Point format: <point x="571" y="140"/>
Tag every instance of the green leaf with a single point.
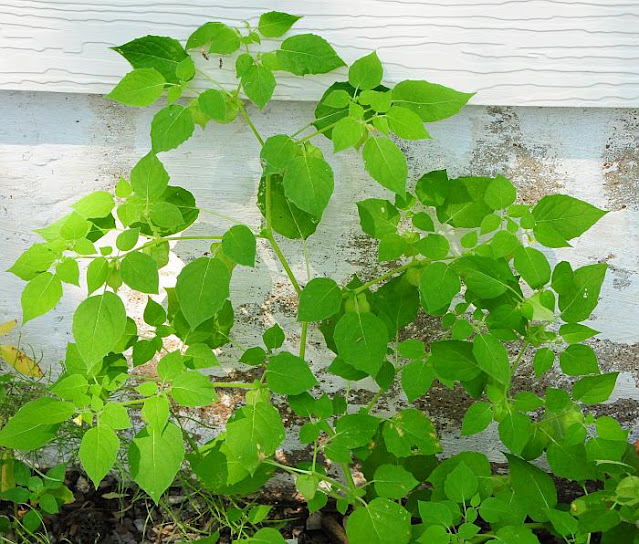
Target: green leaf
<point x="97" y="273"/>
<point x="274" y="337"/>
<point x="378" y="217"/>
<point x="461" y="484"/>
<point x="40" y="295"/>
<point x="127" y="239"/>
<point x="163" y="54"/>
<point x="97" y="204"/>
<point x="516" y="535"/>
<point x="379" y="101"/>
<point x="533" y="266"/>
<point x="562" y="521"/>
<point x="68" y="271"/>
<point x="410" y="432"/>
<point x="573" y="333"/>
<point x="580" y="297"/>
<point x="307" y="54"/>
<point x="258" y="83"/>
<point x="435" y="513"/>
<point x="287" y="374"/>
<point x="406" y="123"/>
<point x="254" y="432"/>
<point x="578" y="359"/>
<point x="75" y="227"/>
<point x="155" y="411"/>
<point x="346" y="133"/>
<point x="515" y="430"/>
<point x="559" y="218"/>
<point x="569" y="461"/>
<point x="35" y="424"/>
<point x="532" y="486"/>
<point x="149" y="179"/>
<point x="434" y="246"/>
<point x="430" y="101"/>
<point x="193" y="388"/>
<point x="492" y="357"/>
<point x="488" y="278"/>
<point x="253" y="356"/>
<point x="165" y="214"/>
<point x="155" y="457"/>
<point x="477" y="418"/>
<point x="361" y="340"/>
<point x="98" y="325"/>
<point x="393" y="481"/>
<point x="500" y="193"/>
<point x="321" y="298"/>
<point x="366" y="73"/>
<point x="140" y="87"/>
<point x="73" y="387"/>
<point x="595" y="389"/>
<point x="454" y="360"/>
<point x="438" y="286"/>
<point x="201" y="356"/>
<point x="238" y="243"/>
<point x="220" y="38"/>
<point x="35" y="260"/>
<point x="115" y="416"/>
<point x="266" y="536"/>
<point x="417" y="377"/>
<point x="274" y="24"/>
<point x="98" y="452"/>
<point x="140" y="272"/>
<point x="386" y="164"/>
<point x="277" y="152"/>
<point x="308" y="183"/>
<point x="382" y="521"/>
<point x="171" y="126"/>
<point x="202" y="287"/>
<point x="213" y="104"/>
<point x="154" y="313"/>
<point x="543" y="361"/>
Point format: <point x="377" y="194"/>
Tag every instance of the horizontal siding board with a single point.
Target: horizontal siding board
<point x="512" y="52"/>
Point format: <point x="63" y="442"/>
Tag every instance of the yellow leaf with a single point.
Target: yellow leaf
<point x="6" y="328"/>
<point x="21" y="362"/>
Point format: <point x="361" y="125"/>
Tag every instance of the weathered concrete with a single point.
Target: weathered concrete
<point x="55" y="148"/>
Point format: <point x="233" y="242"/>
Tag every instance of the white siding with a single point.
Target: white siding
<point x="512" y="52"/>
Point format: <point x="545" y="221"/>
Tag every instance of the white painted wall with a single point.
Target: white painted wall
<point x="512" y="52"/>
<point x="57" y="146"/>
<point x="54" y="148"/>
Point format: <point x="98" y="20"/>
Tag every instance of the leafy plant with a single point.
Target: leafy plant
<point x="461" y="249"/>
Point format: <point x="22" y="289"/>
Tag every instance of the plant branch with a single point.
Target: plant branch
<point x="250" y="124"/>
<point x="381" y="278"/>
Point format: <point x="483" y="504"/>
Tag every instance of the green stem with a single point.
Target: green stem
<point x="207" y="76"/>
<point x="519" y="357"/>
<point x="250" y="124"/>
<point x="234" y="385"/>
<point x="381" y="278"/>
<point x="282" y="259"/>
<point x="303" y="339"/>
<point x="132" y="402"/>
<point x="370" y="405"/>
<point x="334" y="483"/>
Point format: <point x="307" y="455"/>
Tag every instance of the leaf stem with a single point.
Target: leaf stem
<point x="519" y="357"/>
<point x="283" y="261"/>
<point x="381" y="278"/>
<point x="303" y="339"/>
<point x="234" y="385"/>
<point x="370" y="405"/>
<point x="250" y="124"/>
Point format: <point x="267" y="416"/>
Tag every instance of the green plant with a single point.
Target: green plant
<point x="461" y="249"/>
